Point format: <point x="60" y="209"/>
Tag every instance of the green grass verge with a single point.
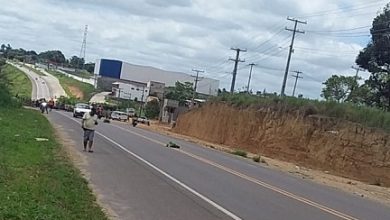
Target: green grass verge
<point x="82" y="73"/>
<point x="367" y="116"/>
<point x="19" y="83"/>
<point x="67" y="82"/>
<point x="37" y="181"/>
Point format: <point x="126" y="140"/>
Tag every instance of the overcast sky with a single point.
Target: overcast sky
<point x="180" y="35"/>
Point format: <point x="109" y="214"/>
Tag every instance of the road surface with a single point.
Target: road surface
<point x="137" y="177"/>
<point x="140" y="178"/>
<point x="40" y="88"/>
<point x="46" y="86"/>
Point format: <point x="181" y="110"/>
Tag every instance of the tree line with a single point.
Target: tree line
<point x="55" y="57"/>
<point x="374" y="58"/>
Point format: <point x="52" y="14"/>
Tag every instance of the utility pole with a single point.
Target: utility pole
<point x="250" y="76"/>
<point x="142" y="101"/>
<point x="296" y="80"/>
<point x="295" y="30"/>
<point x="196" y="83"/>
<point x="236" y="61"/>
<point x="358" y="69"/>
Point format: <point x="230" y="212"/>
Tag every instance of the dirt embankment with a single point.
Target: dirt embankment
<point x="343" y="148"/>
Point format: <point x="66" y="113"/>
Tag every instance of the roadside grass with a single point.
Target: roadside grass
<point x="67" y="82"/>
<point x="367" y="116"/>
<point x="256" y="159"/>
<point x="34" y="70"/>
<point x="37" y="181"/>
<point x="240" y="153"/>
<point x="81" y="73"/>
<point x="18" y="83"/>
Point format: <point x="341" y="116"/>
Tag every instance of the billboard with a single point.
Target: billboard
<point x="110" y="68"/>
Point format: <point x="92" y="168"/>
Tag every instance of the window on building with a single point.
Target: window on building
<point x="146" y="90"/>
<point x="137" y="89"/>
<point x="132" y="88"/>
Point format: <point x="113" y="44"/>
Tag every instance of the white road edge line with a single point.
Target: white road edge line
<point x="212" y="203"/>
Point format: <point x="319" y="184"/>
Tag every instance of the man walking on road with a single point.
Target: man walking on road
<point x="89" y="123"/>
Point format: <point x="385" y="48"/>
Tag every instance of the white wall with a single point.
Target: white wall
<point x="130" y="91"/>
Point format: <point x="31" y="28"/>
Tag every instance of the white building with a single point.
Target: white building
<point x="116" y="69"/>
<point x="132" y="91"/>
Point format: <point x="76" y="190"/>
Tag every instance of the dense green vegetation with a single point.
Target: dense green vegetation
<point x="367" y="116"/>
<point x="37" y="181"/>
<point x="54" y="57"/>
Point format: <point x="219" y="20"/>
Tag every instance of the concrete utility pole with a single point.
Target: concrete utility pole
<point x="196" y="83"/>
<point x="296" y="80"/>
<point x="296" y="21"/>
<point x="250" y="76"/>
<point x="236" y="61"/>
<point x="142" y="101"/>
<point x="358" y="69"/>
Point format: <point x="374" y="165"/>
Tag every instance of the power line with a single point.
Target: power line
<point x="344" y="9"/>
<point x="236" y="61"/>
<point x="295" y="30"/>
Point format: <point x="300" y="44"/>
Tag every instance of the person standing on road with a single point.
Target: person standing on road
<point x="44" y="107"/>
<point x="88" y="124"/>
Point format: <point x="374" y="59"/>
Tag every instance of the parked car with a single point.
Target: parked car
<point x="143" y="120"/>
<point x="120" y="116"/>
<point x="80" y="109"/>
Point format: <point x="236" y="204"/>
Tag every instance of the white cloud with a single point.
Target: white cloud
<point x="179" y="35"/>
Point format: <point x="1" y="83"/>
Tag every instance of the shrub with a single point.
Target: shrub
<point x="256" y="159"/>
<point x="240" y="153"/>
<point x="152" y="109"/>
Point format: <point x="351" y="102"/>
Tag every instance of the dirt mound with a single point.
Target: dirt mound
<point x="76" y="92"/>
<point x="343" y="148"/>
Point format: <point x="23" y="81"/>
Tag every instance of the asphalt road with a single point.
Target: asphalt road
<point x="139" y="178"/>
<point x="42" y="86"/>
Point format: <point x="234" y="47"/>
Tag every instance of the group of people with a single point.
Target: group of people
<point x="44" y="105"/>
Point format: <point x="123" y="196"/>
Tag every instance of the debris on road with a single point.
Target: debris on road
<point x="172" y="145"/>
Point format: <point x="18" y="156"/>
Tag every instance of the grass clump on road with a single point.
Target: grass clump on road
<point x="73" y="87"/>
<point x="36" y="179"/>
<point x="240" y="153"/>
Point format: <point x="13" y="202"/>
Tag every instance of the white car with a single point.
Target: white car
<point x="143" y="120"/>
<point x="120" y="116"/>
<point x="80" y="109"/>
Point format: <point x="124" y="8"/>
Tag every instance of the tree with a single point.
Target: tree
<point x="339" y="88"/>
<point x="375" y="58"/>
<point x="90" y="67"/>
<point x="53" y="56"/>
<point x="76" y="62"/>
<point x="152" y="109"/>
<point x="180" y="92"/>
